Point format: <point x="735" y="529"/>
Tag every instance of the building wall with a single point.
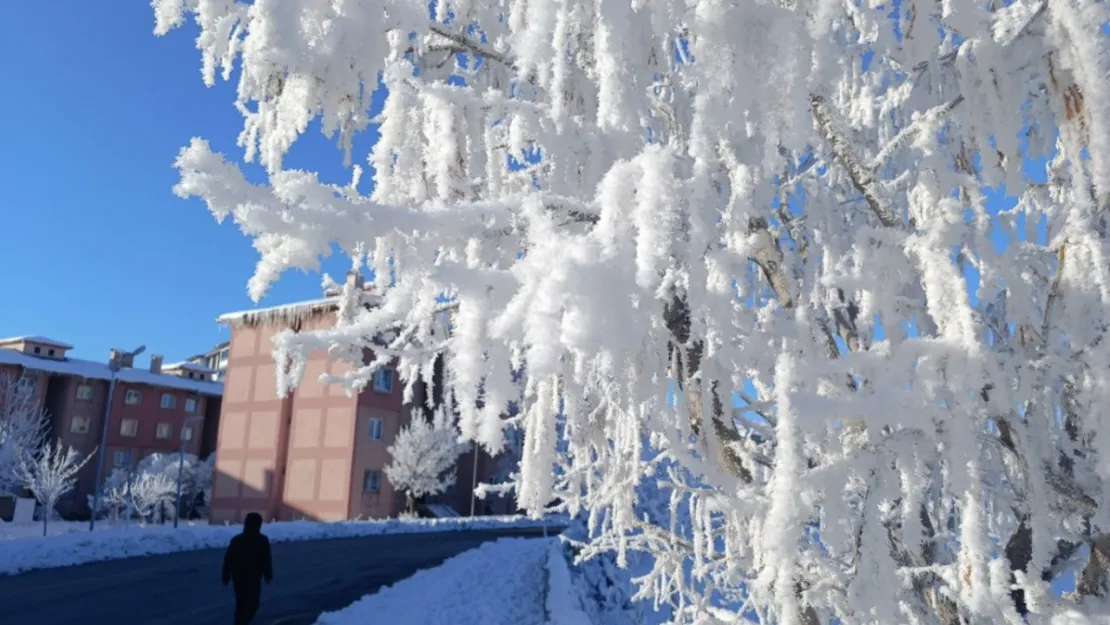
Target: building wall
<point x="248" y="438"/>
<point x="322" y="437"/>
<point x="64" y="407"/>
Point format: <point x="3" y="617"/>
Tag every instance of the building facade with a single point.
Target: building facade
<point x="154" y="409"/>
<point x="214" y="360"/>
<point x="317" y="453"/>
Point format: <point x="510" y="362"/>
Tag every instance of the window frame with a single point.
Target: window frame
<point x="133" y="392"/>
<point x="370" y="428"/>
<point x="123" y="430"/>
<point x="73" y="420"/>
<point x="163" y="426"/>
<point x="366" y="479"/>
<point x="172" y="403"/>
<point x="126" y="454"/>
<point x="184" y="429"/>
<point x="387" y="388"/>
<point x="194" y="402"/>
<point x="81" y="387"/>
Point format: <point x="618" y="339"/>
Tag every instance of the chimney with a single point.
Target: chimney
<point x="156" y="363"/>
<point x="354" y="279"/>
<point x="114" y="357"/>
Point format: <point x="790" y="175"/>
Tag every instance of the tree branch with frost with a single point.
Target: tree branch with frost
<point x="23" y="430"/>
<point x="50" y="474"/>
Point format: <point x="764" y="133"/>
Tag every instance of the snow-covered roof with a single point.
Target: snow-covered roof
<point x="187" y="366"/>
<point x="92" y="369"/>
<point x="287" y="313"/>
<point x="35" y="339"/>
<point x="279" y="314"/>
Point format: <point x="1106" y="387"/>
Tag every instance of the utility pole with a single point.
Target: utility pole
<point x="181" y="465"/>
<point x="474" y="481"/>
<point x="114" y="366"/>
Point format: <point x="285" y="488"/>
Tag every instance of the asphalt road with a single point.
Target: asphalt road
<point x="184" y="588"/>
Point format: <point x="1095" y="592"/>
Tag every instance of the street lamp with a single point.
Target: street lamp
<point x="181" y="465"/>
<point x="114" y="366"/>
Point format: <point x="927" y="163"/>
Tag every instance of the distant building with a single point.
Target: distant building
<point x="316" y="453"/>
<point x="149" y="407"/>
<point x="214" y="359"/>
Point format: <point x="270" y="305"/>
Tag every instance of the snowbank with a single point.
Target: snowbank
<point x="563" y="607"/>
<point x="27" y="553"/>
<point x="499" y="583"/>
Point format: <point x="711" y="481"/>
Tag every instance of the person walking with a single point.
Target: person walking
<point x="247" y="562"/>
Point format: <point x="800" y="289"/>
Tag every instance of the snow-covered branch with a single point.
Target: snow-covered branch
<point x="51" y="473"/>
<point x="611" y="219"/>
<point x="23" y="428"/>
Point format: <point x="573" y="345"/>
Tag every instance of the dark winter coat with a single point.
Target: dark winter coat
<point x="247" y="560"/>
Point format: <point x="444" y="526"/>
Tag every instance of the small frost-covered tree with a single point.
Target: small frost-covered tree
<point x="880" y="228"/>
<point x="196" y="476"/>
<point x="49" y="474"/>
<point x="114" y="496"/>
<point x="151" y="495"/>
<point x="423" y="455"/>
<point x="23" y="429"/>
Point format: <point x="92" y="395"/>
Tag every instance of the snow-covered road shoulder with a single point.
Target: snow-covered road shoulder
<point x="498" y="583"/>
<point x="18" y="555"/>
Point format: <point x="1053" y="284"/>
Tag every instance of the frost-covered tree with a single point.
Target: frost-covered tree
<point x="423" y="456"/>
<point x="657" y="209"/>
<point x="196" y="477"/>
<point x="49" y="474"/>
<point x="151" y="495"/>
<point x="23" y="429"/>
<point x="114" y="495"/>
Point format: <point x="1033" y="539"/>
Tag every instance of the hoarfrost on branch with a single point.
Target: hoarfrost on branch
<point x="633" y="214"/>
<point x="50" y="473"/>
<point x="23" y="430"/>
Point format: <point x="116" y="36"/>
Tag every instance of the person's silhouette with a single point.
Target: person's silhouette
<point x="246" y="563"/>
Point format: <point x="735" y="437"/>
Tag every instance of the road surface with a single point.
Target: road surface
<point x="184" y="588"/>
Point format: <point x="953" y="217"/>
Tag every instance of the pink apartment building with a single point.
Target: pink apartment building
<point x="149" y="409"/>
<point x="317" y="453"/>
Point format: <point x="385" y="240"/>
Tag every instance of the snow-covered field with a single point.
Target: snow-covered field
<point x="23" y="548"/>
<point x="499" y="583"/>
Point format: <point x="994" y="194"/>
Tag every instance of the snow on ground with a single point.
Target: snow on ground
<point x="498" y="583"/>
<point x="25" y="549"/>
<point x="562" y="600"/>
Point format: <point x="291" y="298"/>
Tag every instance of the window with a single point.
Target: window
<point x="84" y="392"/>
<point x="190" y="405"/>
<point x="50" y="352"/>
<point x="79" y="425"/>
<point x="187" y="433"/>
<point x="376" y="429"/>
<point x="164" y="431"/>
<point x="372" y="481"/>
<point x="129" y="427"/>
<point x="38" y="350"/>
<point x="25" y="386"/>
<point x="169" y="402"/>
<point x="133" y="397"/>
<point x="383" y="381"/>
<point x="121" y="459"/>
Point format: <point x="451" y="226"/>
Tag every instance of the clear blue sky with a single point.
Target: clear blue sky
<point x="96" y="250"/>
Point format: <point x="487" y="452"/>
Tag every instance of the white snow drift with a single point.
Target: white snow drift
<point x="18" y="555"/>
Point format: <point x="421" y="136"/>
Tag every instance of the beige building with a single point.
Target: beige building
<point x="316" y="454"/>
